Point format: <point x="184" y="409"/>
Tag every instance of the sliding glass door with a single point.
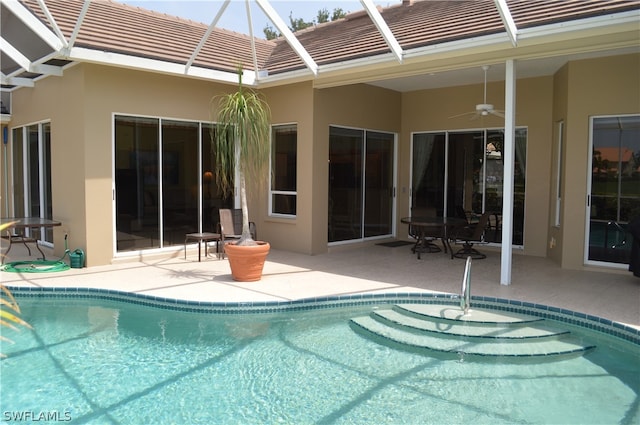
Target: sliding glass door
<point x="165" y="182"/>
<point x="614" y="197"/>
<point x="361" y="184"/>
<point x="460" y="174"/>
<point x="31" y="162"/>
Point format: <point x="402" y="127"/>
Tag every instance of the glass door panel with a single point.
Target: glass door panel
<point x="212" y="199"/>
<point x="47" y="203"/>
<point x="17" y="163"/>
<point x="137" y="173"/>
<point x="33" y="161"/>
<point x="180" y="181"/>
<point x="428" y="174"/>
<point x="494" y="176"/>
<point x="378" y="196"/>
<point x="465" y="182"/>
<point x="345" y="184"/>
<point x="615" y="187"/>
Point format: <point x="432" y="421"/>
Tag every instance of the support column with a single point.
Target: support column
<point x="508" y="157"/>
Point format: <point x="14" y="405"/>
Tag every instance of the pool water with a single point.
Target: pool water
<point x="111" y="362"/>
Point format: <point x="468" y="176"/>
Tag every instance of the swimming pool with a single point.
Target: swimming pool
<point x="109" y="357"/>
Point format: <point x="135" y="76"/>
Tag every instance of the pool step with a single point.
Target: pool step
<point x="481" y="333"/>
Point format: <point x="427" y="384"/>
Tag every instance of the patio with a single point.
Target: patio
<point x="364" y="268"/>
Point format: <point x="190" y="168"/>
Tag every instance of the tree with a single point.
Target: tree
<point x="241" y="138"/>
<point x="297" y="24"/>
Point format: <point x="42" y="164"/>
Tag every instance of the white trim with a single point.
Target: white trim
<point x="138" y="63"/>
<point x="76" y="28"/>
<point x="33" y="23"/>
<point x="288" y="35"/>
<point x="52" y="21"/>
<point x="587" y="24"/>
<point x="383" y="28"/>
<point x="20" y="59"/>
<point x="507" y="20"/>
<point x="25" y="63"/>
<point x="206" y="35"/>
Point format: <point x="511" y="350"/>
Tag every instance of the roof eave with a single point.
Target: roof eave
<point x="120" y="60"/>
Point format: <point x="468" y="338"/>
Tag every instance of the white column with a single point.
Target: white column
<point x="508" y="155"/>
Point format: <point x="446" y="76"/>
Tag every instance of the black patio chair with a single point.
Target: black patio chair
<point x="470" y="234"/>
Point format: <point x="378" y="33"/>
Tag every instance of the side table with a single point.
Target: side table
<point x="202" y="237"/>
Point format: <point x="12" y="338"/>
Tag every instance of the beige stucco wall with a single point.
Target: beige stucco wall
<point x="80" y="106"/>
<point x="605" y="86"/>
<point x="430" y="110"/>
<point x="356" y="106"/>
<point x="293" y="104"/>
<point x="60" y="101"/>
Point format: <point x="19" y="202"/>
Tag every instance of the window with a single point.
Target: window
<point x="558" y="183"/>
<point x="284" y="152"/>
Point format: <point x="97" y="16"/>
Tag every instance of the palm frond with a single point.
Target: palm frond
<point x="241" y="140"/>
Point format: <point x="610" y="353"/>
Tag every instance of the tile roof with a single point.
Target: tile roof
<point x="114" y="27"/>
<point x="119" y="28"/>
<point x="423" y="23"/>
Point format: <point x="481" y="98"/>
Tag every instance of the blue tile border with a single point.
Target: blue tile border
<point x="579" y="319"/>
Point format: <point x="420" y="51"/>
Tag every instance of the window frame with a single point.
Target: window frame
<point x="273" y="172"/>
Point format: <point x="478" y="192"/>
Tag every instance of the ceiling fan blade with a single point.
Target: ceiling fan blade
<point x="497" y="113"/>
<point x="462" y="115"/>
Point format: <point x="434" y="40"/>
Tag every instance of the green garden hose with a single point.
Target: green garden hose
<point x="39" y="266"/>
<point x="36" y="266"/>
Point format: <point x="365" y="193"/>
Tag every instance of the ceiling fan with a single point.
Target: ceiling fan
<point x="483" y="109"/>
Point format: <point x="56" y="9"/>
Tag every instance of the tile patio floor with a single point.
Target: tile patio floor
<point x="366" y="268"/>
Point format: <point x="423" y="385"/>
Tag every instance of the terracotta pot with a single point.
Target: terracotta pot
<point x="247" y="262"/>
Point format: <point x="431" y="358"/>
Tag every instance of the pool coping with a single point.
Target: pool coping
<point x="591" y="322"/>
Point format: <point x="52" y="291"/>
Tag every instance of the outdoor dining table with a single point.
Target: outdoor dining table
<point x="17" y="232"/>
<point x="427" y="229"/>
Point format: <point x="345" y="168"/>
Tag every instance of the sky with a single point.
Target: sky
<point x="235" y="16"/>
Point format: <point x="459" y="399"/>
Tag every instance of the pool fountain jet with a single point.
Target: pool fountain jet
<point x="465" y="295"/>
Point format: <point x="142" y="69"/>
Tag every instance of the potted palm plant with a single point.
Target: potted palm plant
<point x="241" y="139"/>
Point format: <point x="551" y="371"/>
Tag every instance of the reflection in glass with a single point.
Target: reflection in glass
<point x="137" y="190"/>
<point x="378" y="196"/>
<point x="473" y="177"/>
<point x="615" y="187"/>
<point x="345" y="184"/>
<point x="284" y="156"/>
<point x="361" y="170"/>
<point x="212" y="199"/>
<point x="180" y="181"/>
